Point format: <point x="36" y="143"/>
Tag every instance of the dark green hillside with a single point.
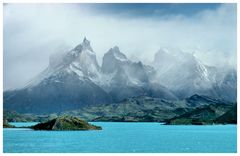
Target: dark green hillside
<point x="148" y="109"/>
<point x="13" y="116"/>
<point x="201" y="115"/>
<point x="196" y="109"/>
<point x="141" y="109"/>
<point x="230" y="117"/>
<point x="198" y="100"/>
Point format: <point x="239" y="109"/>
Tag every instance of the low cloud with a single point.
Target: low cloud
<point x="33" y="32"/>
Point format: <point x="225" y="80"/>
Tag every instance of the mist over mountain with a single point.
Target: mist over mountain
<point x="184" y="74"/>
<point x="74" y="80"/>
<point x="67" y="83"/>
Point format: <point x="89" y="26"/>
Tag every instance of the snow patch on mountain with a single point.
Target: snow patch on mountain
<point x="117" y="54"/>
<point x="76" y="70"/>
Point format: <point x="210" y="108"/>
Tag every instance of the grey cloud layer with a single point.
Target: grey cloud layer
<point x="33" y="32"/>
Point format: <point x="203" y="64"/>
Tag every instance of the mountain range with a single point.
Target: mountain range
<point x="74" y="80"/>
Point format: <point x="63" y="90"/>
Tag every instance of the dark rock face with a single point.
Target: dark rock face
<point x="65" y="123"/>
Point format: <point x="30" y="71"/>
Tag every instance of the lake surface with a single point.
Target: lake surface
<point x="123" y="138"/>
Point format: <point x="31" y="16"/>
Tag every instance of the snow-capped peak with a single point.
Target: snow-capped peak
<point x="116" y="49"/>
<point x="117" y="54"/>
<point x="113" y="59"/>
<point x="85" y="59"/>
<point x="84" y="46"/>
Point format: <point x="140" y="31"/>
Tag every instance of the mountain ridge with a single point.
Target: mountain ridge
<point x="75" y="80"/>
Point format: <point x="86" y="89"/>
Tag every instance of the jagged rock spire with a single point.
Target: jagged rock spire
<point x="85" y="45"/>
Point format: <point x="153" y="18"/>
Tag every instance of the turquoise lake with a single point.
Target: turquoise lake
<point x="120" y="137"/>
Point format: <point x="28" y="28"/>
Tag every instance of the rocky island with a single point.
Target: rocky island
<point x="7" y="125"/>
<point x="65" y="123"/>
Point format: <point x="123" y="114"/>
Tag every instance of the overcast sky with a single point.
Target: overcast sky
<point x="32" y="32"/>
